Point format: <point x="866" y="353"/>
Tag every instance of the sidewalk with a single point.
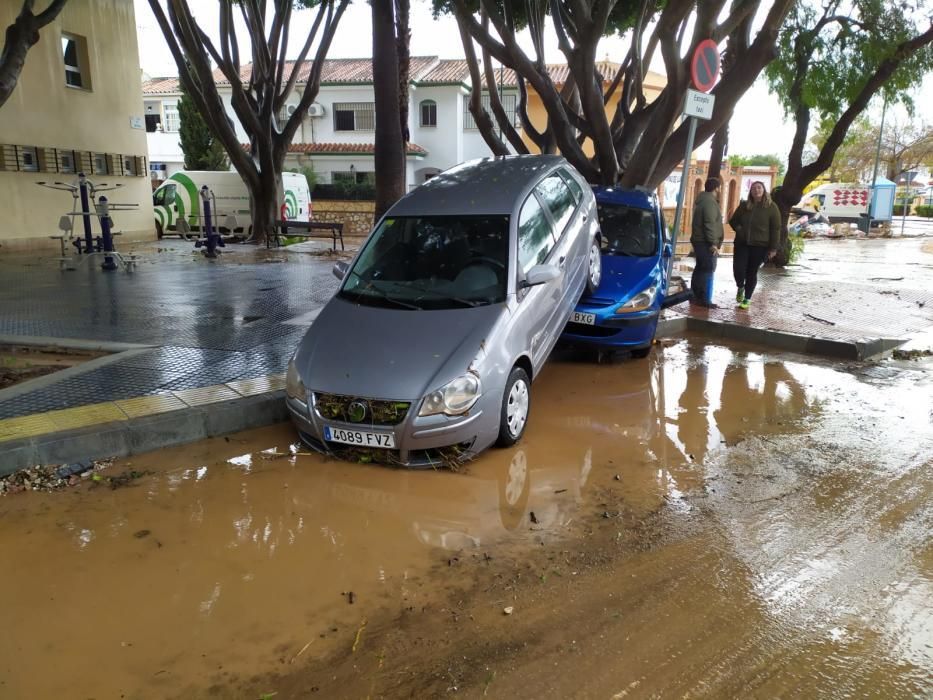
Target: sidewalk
<point x="850" y="299"/>
<point x="200" y="347"/>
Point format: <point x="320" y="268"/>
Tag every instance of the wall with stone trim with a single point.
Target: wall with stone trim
<point x="356" y="216"/>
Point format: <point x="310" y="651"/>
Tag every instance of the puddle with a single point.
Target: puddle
<point x="233" y="562"/>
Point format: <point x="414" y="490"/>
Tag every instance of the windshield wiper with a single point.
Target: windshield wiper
<point x="424" y="290"/>
<point x="379" y="294"/>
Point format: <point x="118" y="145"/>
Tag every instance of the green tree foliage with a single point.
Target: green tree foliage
<point x="202" y="151"/>
<point x="833" y="57"/>
<point x="760" y="159"/>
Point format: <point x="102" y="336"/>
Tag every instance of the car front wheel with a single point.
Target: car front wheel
<point x="594" y="267"/>
<point x="516" y="400"/>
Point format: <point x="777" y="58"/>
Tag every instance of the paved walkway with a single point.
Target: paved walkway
<point x="214" y="337"/>
<point x="842" y="290"/>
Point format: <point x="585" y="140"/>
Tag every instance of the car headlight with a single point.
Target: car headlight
<point x="641" y="301"/>
<point x="453" y="398"/>
<point x="294" y="387"/>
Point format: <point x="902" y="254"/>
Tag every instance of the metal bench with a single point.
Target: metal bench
<point x="307" y="229"/>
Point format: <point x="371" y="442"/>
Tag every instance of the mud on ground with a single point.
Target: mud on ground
<point x="712" y="522"/>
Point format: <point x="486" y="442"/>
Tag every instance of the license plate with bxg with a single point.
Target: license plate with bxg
<point x="362" y="438"/>
<point x="587" y="319"/>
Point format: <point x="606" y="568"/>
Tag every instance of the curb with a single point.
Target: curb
<point x="144" y="434"/>
<point x="781" y="340"/>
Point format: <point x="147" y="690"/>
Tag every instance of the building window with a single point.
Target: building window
<point x="353" y="177"/>
<point x="29" y="158"/>
<point x="172" y="121"/>
<point x="66" y="162"/>
<point x="129" y="166"/>
<point x="509" y="104"/>
<point x="428" y="113"/>
<point x="99" y="164"/>
<point x="354" y="116"/>
<point x="74" y="53"/>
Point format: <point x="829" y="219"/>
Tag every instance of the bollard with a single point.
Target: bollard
<point x="103" y="213"/>
<point x="85" y="214"/>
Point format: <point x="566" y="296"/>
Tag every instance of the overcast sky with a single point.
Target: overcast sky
<point x="757" y="126"/>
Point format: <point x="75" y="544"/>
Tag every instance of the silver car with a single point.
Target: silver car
<point x="426" y="354"/>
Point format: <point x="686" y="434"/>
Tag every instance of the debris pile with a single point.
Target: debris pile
<point x="53" y="477"/>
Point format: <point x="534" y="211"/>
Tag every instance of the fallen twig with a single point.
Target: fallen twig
<point x="821" y="320"/>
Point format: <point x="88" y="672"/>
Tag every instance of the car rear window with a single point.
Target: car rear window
<point x="628" y="230"/>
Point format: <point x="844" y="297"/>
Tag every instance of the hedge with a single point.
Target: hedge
<point x="925" y="210"/>
<point x="343" y="191"/>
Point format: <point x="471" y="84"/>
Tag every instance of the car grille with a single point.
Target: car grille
<point x="352" y="409"/>
<point x="582" y="329"/>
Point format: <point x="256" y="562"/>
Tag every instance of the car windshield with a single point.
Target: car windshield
<point x="627" y="230"/>
<point x="432" y="262"/>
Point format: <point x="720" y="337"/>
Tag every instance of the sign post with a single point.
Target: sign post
<point x="704" y="69"/>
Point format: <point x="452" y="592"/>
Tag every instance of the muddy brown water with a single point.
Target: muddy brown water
<point x="711" y="522"/>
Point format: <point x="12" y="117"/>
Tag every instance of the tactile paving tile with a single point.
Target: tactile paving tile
<point x="258" y="385"/>
<point x="206" y="395"/>
<point x="149" y="405"/>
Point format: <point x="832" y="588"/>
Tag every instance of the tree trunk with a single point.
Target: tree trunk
<point x="389" y="149"/>
<point x="20" y="37"/>
<point x="718" y="149"/>
<point x="402" y="46"/>
<point x="785" y="196"/>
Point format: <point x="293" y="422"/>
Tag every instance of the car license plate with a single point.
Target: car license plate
<point x="359" y="437"/>
<point x="588" y="319"/>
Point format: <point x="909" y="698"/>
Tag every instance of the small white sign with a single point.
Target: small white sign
<point x="137" y="123"/>
<point x="699" y="104"/>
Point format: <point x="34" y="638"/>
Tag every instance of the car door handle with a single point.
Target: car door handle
<point x="561" y="262"/>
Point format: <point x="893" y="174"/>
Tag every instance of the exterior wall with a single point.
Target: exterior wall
<point x="441" y="142"/>
<point x="43" y="112"/>
<point x="654" y="83"/>
<point x="356" y="217"/>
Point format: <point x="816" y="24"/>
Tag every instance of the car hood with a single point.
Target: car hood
<point x="624" y="276"/>
<point x="381" y="353"/>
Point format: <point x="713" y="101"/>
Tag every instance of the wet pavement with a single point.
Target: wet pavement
<point x="208" y="322"/>
<point x="712" y="521"/>
<point x="851" y="290"/>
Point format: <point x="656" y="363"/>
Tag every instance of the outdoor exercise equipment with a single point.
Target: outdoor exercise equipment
<point x="212" y="239"/>
<point x="83" y="191"/>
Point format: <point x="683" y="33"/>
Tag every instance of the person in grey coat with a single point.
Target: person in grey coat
<point x="706" y="238"/>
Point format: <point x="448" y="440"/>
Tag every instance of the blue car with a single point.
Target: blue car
<point x="623" y="312"/>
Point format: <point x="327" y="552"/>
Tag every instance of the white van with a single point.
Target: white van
<point x="838" y="201"/>
<point x="178" y="197"/>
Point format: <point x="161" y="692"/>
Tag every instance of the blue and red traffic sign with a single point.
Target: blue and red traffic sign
<point x="704" y="66"/>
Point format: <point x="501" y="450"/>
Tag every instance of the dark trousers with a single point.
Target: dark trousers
<point x="745" y="263"/>
<point x="702" y="281"/>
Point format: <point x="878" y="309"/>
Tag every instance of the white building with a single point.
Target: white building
<point x="336" y="135"/>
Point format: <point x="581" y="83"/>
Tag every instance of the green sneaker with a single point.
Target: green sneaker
<point x="745" y="303"/>
<point x="740" y="296"/>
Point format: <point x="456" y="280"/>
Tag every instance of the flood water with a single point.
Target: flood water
<point x="791" y="502"/>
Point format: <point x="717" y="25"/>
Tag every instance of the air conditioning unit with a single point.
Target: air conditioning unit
<point x="290" y="110"/>
<point x="316" y="110"/>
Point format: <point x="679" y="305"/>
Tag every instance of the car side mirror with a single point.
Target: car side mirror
<point x="541" y="274"/>
<point x="668" y="250"/>
<point x="340" y="269"/>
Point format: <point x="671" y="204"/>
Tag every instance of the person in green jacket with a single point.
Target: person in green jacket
<point x="757" y="225"/>
<point x="706" y="238"/>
